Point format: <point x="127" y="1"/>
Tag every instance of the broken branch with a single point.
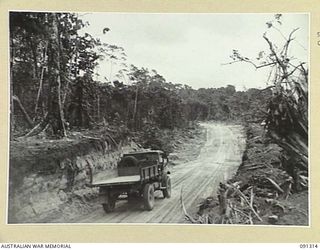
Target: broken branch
<point x="188" y="217"/>
<point x="246" y="200"/>
<point x="275" y="184"/>
<point x="24" y="112"/>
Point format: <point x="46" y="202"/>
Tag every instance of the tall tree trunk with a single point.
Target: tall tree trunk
<point x="39" y="92"/>
<point x="41" y="81"/>
<point x="11" y="86"/>
<point x="135" y="106"/>
<point x="55" y="109"/>
<point x="98" y="107"/>
<point x="34" y="55"/>
<point x="79" y="94"/>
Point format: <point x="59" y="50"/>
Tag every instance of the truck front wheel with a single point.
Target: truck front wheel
<point x="109" y="207"/>
<point x="110" y="203"/>
<point x="148" y="196"/>
<point x="167" y="192"/>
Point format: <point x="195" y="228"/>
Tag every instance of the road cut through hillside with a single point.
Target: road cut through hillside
<point x="195" y="180"/>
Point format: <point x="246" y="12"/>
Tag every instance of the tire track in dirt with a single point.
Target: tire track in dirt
<point x="217" y="161"/>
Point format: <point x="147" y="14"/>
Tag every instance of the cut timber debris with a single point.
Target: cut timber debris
<point x="250" y="204"/>
<point x="187" y="216"/>
<point x="275" y="185"/>
<point x="262" y="190"/>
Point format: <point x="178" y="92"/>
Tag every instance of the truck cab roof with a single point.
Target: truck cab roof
<point x="144" y="152"/>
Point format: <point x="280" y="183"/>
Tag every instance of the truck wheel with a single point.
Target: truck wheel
<point x="167" y="192"/>
<point x="109" y="207"/>
<point x="148" y="196"/>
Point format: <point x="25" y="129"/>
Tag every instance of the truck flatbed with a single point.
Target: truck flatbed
<point x="140" y="174"/>
<point x="120" y="180"/>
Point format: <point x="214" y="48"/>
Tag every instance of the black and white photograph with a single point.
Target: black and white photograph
<point x="149" y="118"/>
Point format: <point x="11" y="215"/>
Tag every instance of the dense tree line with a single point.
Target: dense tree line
<point x="53" y="88"/>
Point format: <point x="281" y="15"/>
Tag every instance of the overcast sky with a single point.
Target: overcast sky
<point x="191" y="48"/>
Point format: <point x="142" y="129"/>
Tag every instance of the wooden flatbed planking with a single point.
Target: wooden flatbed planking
<point x="120" y="180"/>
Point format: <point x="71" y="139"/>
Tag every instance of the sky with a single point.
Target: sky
<point x="192" y="48"/>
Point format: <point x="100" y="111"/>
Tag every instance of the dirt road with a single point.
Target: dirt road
<point x="198" y="179"/>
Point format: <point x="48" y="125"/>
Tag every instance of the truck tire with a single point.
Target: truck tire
<point x="109" y="207"/>
<point x="129" y="161"/>
<point x="148" y="196"/>
<point x="111" y="203"/>
<point x="167" y="192"/>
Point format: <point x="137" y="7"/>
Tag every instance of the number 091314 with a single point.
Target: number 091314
<point x="309" y="245"/>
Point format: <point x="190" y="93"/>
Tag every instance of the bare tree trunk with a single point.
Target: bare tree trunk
<point x="11" y="86"/>
<point x="98" y="107"/>
<point x="56" y="27"/>
<point x="39" y="127"/>
<point x="80" y="109"/>
<point x="23" y="110"/>
<point x="34" y="55"/>
<point x="135" y="106"/>
<point x="127" y="121"/>
<point x="41" y="81"/>
<point x="55" y="109"/>
<point x="39" y="92"/>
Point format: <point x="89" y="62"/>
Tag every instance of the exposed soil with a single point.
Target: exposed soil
<point x="192" y="181"/>
<point x="49" y="178"/>
<point x="261" y="192"/>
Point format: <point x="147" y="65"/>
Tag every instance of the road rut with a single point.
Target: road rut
<point x="218" y="161"/>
